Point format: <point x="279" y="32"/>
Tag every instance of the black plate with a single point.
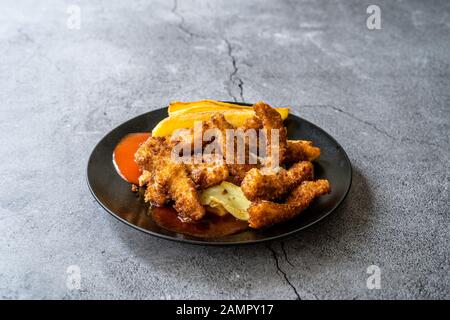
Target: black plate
<point x="115" y="196"/>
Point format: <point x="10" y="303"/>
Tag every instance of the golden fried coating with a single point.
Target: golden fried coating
<point x="168" y="178"/>
<point x="154" y="193"/>
<point x="252" y="123"/>
<point x="149" y="150"/>
<point x="271" y="120"/>
<point x="218" y="122"/>
<point x="259" y="185"/>
<point x="208" y="174"/>
<point x="186" y="137"/>
<point x="181" y="189"/>
<point x="301" y="150"/>
<point x="238" y="172"/>
<point x="265" y="213"/>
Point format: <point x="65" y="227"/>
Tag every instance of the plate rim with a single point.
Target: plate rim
<point x="218" y="243"/>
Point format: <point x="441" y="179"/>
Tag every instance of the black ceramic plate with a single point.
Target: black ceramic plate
<point x="115" y="196"/>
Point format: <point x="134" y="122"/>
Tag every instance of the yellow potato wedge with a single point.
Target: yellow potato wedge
<point x="216" y="208"/>
<point x="209" y="108"/>
<point x="186" y="120"/>
<point x="205" y="105"/>
<point x="212" y="105"/>
<point x="229" y="196"/>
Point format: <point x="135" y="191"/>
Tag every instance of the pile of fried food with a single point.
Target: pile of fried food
<point x="247" y="191"/>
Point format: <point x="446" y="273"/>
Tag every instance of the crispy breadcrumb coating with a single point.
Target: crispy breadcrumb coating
<point x="168" y="179"/>
<point x="266" y="213"/>
<point x="236" y="171"/>
<point x="268" y="186"/>
<point x="300" y="150"/>
<point x="208" y="174"/>
<point x="252" y="123"/>
<point x="271" y="119"/>
<point x="154" y="193"/>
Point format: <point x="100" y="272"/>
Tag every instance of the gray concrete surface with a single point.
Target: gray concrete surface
<point x="384" y="94"/>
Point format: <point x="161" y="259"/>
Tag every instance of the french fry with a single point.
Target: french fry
<point x="205" y="105"/>
<point x="229" y="196"/>
<point x="212" y="105"/>
<point x="181" y="120"/>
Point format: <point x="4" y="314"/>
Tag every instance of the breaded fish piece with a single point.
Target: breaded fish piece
<point x="265" y="118"/>
<point x="154" y="193"/>
<point x="258" y="185"/>
<point x="265" y="213"/>
<point x="252" y="123"/>
<point x="300" y="150"/>
<point x="208" y="173"/>
<point x="181" y="189"/>
<point x="271" y="120"/>
<point x="168" y="178"/>
<point x="236" y="171"/>
<point x="186" y="137"/>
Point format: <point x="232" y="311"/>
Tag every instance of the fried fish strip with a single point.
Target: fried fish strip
<point x="154" y="193"/>
<point x="265" y="213"/>
<point x="236" y="170"/>
<point x="252" y="123"/>
<point x="271" y="120"/>
<point x="258" y="185"/>
<point x="205" y="175"/>
<point x="208" y="174"/>
<point x="168" y="178"/>
<point x="299" y="150"/>
<point x="266" y="118"/>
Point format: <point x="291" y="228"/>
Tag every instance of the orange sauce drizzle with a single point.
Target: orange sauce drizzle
<point x="123" y="156"/>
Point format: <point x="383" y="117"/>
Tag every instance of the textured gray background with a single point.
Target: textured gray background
<point x="384" y="95"/>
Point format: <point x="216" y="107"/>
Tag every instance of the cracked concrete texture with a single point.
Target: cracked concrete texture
<point x="382" y="94"/>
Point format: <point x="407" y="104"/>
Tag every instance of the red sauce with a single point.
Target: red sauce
<point x="210" y="226"/>
<point x="123" y="156"/>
